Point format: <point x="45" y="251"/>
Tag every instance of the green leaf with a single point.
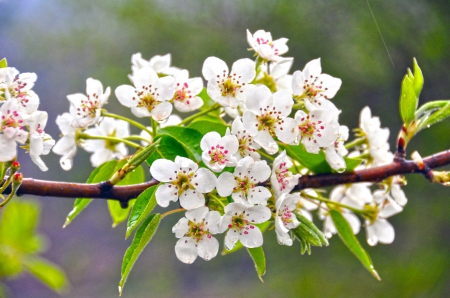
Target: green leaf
<point x="187" y="137"/>
<point x="169" y="148"/>
<point x="259" y="259"/>
<point x="409" y="97"/>
<point x="435" y="117"/>
<point x="142" y="237"/>
<point x="143" y="206"/>
<point x="119" y="214"/>
<point x="418" y="79"/>
<point x="317" y="163"/>
<point x="100" y="174"/>
<point x="346" y="234"/>
<point x="308" y="234"/>
<point x="205" y="126"/>
<point x="48" y="273"/>
<point x="262" y="226"/>
<point x="207" y="104"/>
<point x="3" y="63"/>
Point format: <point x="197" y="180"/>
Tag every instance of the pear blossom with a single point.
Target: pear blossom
<point x="11" y="129"/>
<point x="186" y="97"/>
<point x="379" y="229"/>
<point x="105" y="150"/>
<point x="195" y="232"/>
<point x="40" y="142"/>
<point x="376" y="137"/>
<point x="275" y="75"/>
<point x="316" y="130"/>
<point x="86" y="109"/>
<point x="228" y="88"/>
<point x="218" y="152"/>
<point x="240" y="222"/>
<point x="282" y="180"/>
<point x="268" y="49"/>
<point x="160" y="64"/>
<point x="149" y="97"/>
<point x="267" y="117"/>
<point x="242" y="184"/>
<point x="183" y="180"/>
<point x="336" y="152"/>
<point x="247" y="147"/>
<point x="314" y="85"/>
<point x="18" y="86"/>
<point x="66" y="146"/>
<point x="285" y="218"/>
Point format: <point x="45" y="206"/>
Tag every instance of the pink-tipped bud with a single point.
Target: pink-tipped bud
<point x="15" y="166"/>
<point x="17" y="178"/>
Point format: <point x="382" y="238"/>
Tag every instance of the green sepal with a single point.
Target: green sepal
<point x="142" y="207"/>
<point x="3" y="63"/>
<point x="117" y="212"/>
<point x="259" y="259"/>
<point x="308" y="234"/>
<point x="345" y="232"/>
<point x="48" y="273"/>
<point x="189" y="138"/>
<point x="142" y="237"/>
<point x="262" y="226"/>
<point x="99" y="174"/>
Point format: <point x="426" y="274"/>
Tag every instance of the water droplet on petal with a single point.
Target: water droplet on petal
<point x="163" y="120"/>
<point x="340" y="170"/>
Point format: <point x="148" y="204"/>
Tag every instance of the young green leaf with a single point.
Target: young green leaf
<point x="187" y="137"/>
<point x="205" y="126"/>
<point x="3" y="63"/>
<point x="346" y="234"/>
<point x="418" y="78"/>
<point x="169" y="148"/>
<point x="308" y="234"/>
<point x="143" y="206"/>
<point x="142" y="237"/>
<point x="409" y="97"/>
<point x="438" y="115"/>
<point x="48" y="273"/>
<point x="259" y="259"/>
<point x="100" y="174"/>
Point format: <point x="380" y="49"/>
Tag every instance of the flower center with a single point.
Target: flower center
<point x="308" y="127"/>
<point x="268" y="119"/>
<point x="243" y="185"/>
<point x="229" y="85"/>
<point x="88" y="108"/>
<point x="218" y="154"/>
<point x="182" y="94"/>
<point x="313" y="89"/>
<point x="147" y="97"/>
<point x="197" y="231"/>
<point x="182" y="182"/>
<point x="286" y="215"/>
<point x="240" y="223"/>
<point x="282" y="174"/>
<point x="11" y="119"/>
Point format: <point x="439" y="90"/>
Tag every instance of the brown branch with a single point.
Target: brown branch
<point x="104" y="190"/>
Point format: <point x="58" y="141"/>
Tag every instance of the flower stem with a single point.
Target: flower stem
<point x="269" y="157"/>
<point x="172" y="212"/>
<point x="112" y="139"/>
<point x="327" y="201"/>
<point x="355" y="142"/>
<point x="132" y="122"/>
<point x="154" y="125"/>
<point x="190" y="118"/>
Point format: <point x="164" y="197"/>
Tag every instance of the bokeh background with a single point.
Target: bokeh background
<point x="65" y="42"/>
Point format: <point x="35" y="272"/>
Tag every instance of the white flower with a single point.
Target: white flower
<point x="18" y="86"/>
<point x="218" y="151"/>
<point x="66" y="145"/>
<point x="151" y="95"/>
<point x="186" y="91"/>
<point x="242" y="184"/>
<point x="268" y="49"/>
<point x="282" y="180"/>
<point x="267" y="117"/>
<point x="160" y="64"/>
<point x="379" y="229"/>
<point x="40" y="142"/>
<point x="11" y="129"/>
<point x="313" y="85"/>
<point x="275" y="75"/>
<point x="240" y="222"/>
<point x="105" y="150"/>
<point x="335" y="153"/>
<point x="184" y="181"/>
<point x="316" y="130"/>
<point x="195" y="232"/>
<point x="376" y="137"/>
<point x="285" y="218"/>
<point x="85" y="109"/>
<point x="228" y="89"/>
<point x="247" y="147"/>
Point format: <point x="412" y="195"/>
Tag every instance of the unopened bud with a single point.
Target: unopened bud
<point x="15" y="166"/>
<point x="442" y="177"/>
<point x="17" y="178"/>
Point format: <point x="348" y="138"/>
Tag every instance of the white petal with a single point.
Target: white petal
<point x="166" y="193"/>
<point x="181" y="227"/>
<point x="125" y="94"/>
<point x="245" y="69"/>
<point x="185" y="250"/>
<point x="161" y="111"/>
<point x="163" y="170"/>
<point x="207" y="248"/>
<point x="225" y="184"/>
<point x="197" y="215"/>
<point x="204" y="180"/>
<point x="251" y="236"/>
<point x="191" y="199"/>
<point x="214" y="66"/>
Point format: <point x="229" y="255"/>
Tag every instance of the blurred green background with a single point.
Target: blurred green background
<point x="65" y="42"/>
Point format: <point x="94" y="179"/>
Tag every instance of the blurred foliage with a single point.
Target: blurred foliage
<point x="66" y="42"/>
<point x="20" y="246"/>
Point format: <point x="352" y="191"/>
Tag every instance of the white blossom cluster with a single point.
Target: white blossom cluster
<point x="21" y="121"/>
<point x="247" y="171"/>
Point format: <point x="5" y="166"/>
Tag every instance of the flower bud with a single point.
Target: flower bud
<point x="17" y="179"/>
<point x="15" y="166"/>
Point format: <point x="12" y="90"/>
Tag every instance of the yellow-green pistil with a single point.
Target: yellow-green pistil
<point x="269" y="119"/>
<point x="197" y="231"/>
<point x="243" y="185"/>
<point x="183" y="181"/>
<point x="147" y="98"/>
